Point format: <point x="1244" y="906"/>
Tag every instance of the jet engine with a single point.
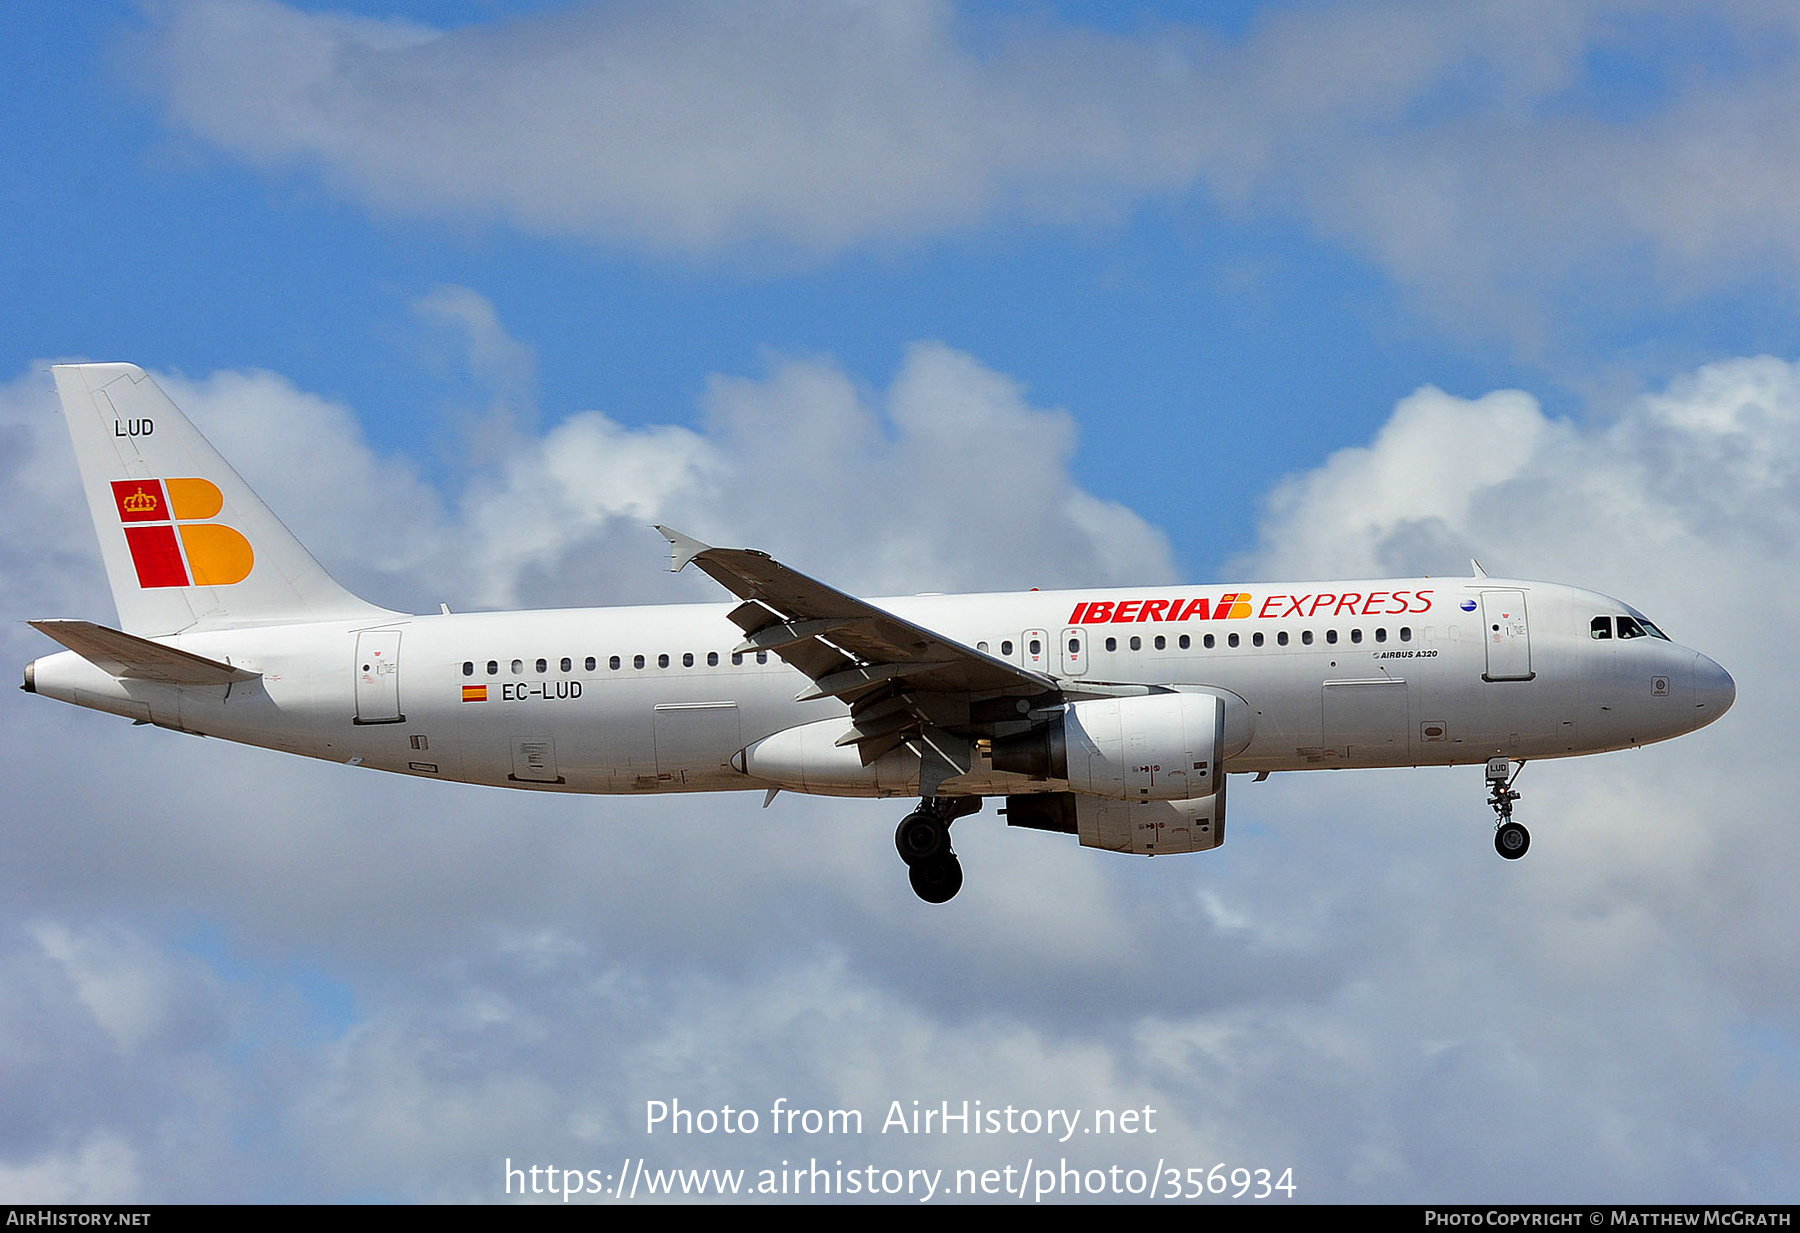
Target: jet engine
<point x="1151" y="747"/>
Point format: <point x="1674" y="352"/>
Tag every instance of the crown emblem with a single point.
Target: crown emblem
<point x="139" y="502"/>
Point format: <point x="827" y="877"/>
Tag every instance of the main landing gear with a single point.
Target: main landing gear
<point x="1511" y="839"/>
<point x="923" y="840"/>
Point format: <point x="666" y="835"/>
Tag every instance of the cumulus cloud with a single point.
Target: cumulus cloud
<point x="409" y="982"/>
<point x="1493" y="157"/>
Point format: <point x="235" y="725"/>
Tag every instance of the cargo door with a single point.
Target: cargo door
<point x="700" y="737"/>
<point x="1365" y="719"/>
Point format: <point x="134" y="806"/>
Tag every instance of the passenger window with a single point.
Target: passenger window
<point x="1331" y="637"/>
<point x="1210" y="642"/>
<point x="982" y="647"/>
<point x="1037" y="648"/>
<point x="687" y="659"/>
<point x="1161" y="642"/>
<point x="1601" y="628"/>
<point x="1381" y="635"/>
<point x="1281" y="638"/>
<point x="567" y="664"/>
<point x="637" y="661"/>
<point x="1137" y="643"/>
<point x="613" y="663"/>
<point x="590" y="662"/>
<point x="1356" y="635"/>
<point x="1406" y="633"/>
<point x="493" y="667"/>
<point x="468" y="667"/>
<point x="518" y="667"/>
<point x="1074" y="646"/>
<point x="762" y="657"/>
<point x="1006" y="647"/>
<point x="712" y="659"/>
<point x="662" y="661"/>
<point x="1306" y="636"/>
<point x="1256" y="639"/>
<point x="1232" y="640"/>
<point x="1112" y="644"/>
<point x="737" y="657"/>
<point x="1185" y="642"/>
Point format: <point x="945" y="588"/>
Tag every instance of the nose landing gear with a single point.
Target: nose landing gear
<point x="923" y="841"/>
<point x="1511" y="839"/>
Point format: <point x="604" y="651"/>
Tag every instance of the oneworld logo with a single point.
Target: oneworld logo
<point x="173" y="542"/>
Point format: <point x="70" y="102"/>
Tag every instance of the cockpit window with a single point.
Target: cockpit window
<point x="1629" y="628"/>
<point x="1643" y="624"/>
<point x="1601" y="628"/>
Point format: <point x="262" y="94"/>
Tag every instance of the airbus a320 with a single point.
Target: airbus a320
<point x="1113" y="714"/>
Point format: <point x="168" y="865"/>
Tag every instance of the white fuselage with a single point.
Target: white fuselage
<point x="651" y="699"/>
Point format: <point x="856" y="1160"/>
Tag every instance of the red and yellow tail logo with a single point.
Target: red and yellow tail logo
<point x="172" y="542"/>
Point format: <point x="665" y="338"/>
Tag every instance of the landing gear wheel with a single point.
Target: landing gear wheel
<point x="1512" y="840"/>
<point x="921" y="838"/>
<point x="937" y="880"/>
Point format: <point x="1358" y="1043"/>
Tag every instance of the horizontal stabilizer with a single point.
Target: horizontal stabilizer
<point x="130" y="657"/>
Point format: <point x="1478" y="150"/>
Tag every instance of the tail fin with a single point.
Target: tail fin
<point x="187" y="545"/>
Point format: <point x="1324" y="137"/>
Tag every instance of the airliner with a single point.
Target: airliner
<point x="1114" y="714"/>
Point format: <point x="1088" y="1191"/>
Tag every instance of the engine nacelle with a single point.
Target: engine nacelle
<point x="1151" y="747"/>
<point x="1146" y="828"/>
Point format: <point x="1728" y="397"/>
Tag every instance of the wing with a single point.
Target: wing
<point x="905" y="684"/>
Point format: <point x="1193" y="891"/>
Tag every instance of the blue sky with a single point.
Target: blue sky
<point x="1203" y="347"/>
<point x="922" y="297"/>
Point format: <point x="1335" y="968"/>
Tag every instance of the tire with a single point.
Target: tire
<point x="921" y="838"/>
<point x="937" y="881"/>
<point x="1512" y="841"/>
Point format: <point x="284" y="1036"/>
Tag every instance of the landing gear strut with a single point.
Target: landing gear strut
<point x="1511" y="839"/>
<point x="923" y="841"/>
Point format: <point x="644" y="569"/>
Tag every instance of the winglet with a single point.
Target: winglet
<point x="684" y="548"/>
<point x="1474" y="566"/>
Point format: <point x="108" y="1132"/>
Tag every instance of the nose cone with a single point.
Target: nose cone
<point x="1714" y="691"/>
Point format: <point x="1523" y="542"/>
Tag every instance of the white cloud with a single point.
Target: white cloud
<point x="1493" y="157"/>
<point x="819" y="124"/>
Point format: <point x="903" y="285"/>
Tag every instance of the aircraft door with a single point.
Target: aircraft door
<point x="1034" y="650"/>
<point x="1507" y="634"/>
<point x="695" y="737"/>
<point x="378" y="677"/>
<point x="1074" y="652"/>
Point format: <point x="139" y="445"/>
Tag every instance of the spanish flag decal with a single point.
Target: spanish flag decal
<point x="474" y="693"/>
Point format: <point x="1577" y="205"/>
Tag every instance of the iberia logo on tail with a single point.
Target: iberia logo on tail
<point x="173" y="543"/>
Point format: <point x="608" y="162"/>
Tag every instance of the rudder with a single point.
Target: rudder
<point x="187" y="544"/>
